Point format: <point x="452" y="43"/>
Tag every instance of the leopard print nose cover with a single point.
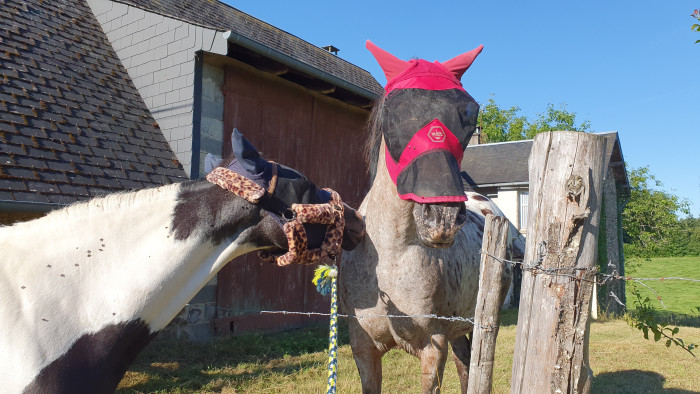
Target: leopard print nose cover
<point x="330" y="214"/>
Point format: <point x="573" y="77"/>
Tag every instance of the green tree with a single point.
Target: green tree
<point x="650" y="222"/>
<point x="685" y="241"/>
<point x="556" y="119"/>
<point x="696" y="27"/>
<point x="500" y="125"/>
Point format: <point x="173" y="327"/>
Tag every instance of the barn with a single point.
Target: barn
<point x="100" y="96"/>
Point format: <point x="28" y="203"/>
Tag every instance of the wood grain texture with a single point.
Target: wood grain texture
<point x="551" y="348"/>
<point x="494" y="278"/>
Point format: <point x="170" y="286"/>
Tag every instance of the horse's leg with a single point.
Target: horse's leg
<point x="368" y="359"/>
<point x="432" y="363"/>
<point x="461" y="354"/>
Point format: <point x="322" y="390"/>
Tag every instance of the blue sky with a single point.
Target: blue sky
<point x="630" y="67"/>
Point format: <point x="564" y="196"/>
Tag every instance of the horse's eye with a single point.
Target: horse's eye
<point x="289" y="215"/>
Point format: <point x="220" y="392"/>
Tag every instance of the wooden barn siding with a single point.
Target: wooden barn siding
<point x="321" y="137"/>
<point x="10" y="218"/>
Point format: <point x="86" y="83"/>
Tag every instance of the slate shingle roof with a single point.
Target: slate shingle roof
<point x="72" y="124"/>
<point x="216" y="15"/>
<point x="496" y="164"/>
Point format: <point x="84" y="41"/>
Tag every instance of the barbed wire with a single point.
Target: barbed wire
<point x="362" y="316"/>
<point x="589" y="275"/>
<point x="566" y="272"/>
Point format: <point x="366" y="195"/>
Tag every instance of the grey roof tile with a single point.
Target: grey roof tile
<point x="53" y="177"/>
<point x="129" y="184"/>
<point x="6" y="159"/>
<point x="496" y="164"/>
<point x="7" y="127"/>
<point x="73" y="190"/>
<point x="30" y="162"/>
<point x="42" y="187"/>
<point x="32" y="196"/>
<point x="64" y="96"/>
<point x="12" y="184"/>
<point x="18" y="172"/>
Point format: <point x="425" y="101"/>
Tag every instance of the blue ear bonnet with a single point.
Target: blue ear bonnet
<point x="291" y="188"/>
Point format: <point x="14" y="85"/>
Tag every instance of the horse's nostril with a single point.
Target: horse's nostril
<point x="429" y="211"/>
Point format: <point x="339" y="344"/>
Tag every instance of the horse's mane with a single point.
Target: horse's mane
<point x="108" y="203"/>
<point x="374" y="137"/>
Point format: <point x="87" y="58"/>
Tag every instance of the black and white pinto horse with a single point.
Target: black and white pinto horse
<point x="85" y="288"/>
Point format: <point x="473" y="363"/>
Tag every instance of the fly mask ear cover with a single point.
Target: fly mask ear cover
<point x="429" y="120"/>
<point x="330" y="213"/>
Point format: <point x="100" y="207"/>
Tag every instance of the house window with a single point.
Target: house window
<point x="523" y="209"/>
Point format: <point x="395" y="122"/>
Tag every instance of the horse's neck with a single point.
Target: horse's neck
<point x="118" y="263"/>
<point x="386" y="214"/>
<point x="110" y="272"/>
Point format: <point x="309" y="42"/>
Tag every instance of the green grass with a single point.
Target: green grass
<point x="681" y="298"/>
<point x="295" y="362"/>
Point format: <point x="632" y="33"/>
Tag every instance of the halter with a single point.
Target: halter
<point x="329" y="213"/>
<point x="425" y="165"/>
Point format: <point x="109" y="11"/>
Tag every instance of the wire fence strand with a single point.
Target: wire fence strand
<point x="589" y="275"/>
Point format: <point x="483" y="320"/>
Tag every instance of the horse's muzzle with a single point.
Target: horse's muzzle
<point x="438" y="224"/>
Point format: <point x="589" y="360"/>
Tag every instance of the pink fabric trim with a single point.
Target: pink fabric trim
<point x="433" y="136"/>
<point x="422" y="74"/>
<point x="429" y="200"/>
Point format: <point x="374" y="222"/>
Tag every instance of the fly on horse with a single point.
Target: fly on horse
<point x="421" y="253"/>
<point x="84" y="289"/>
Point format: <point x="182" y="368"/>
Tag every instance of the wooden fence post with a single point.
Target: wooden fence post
<point x="487" y="318"/>
<point x="613" y="290"/>
<point x="551" y="344"/>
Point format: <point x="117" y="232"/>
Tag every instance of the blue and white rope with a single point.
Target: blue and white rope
<point x="333" y="346"/>
<point x="325" y="281"/>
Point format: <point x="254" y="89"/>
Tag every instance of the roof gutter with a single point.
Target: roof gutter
<point x="507" y="184"/>
<point x="28" y="206"/>
<point x="276" y="55"/>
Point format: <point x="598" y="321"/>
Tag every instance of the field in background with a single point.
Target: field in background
<point x="681" y="298"/>
<point x="621" y="359"/>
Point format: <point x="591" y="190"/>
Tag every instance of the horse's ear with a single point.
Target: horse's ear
<point x="459" y="64"/>
<point x="390" y="64"/>
<point x="247" y="155"/>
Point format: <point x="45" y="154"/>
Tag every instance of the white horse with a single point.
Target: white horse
<point x="85" y="288"/>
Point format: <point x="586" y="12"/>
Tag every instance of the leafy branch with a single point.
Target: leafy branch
<point x="645" y="318"/>
<point x="696" y="27"/>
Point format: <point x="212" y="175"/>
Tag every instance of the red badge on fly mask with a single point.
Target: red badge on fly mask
<point x="440" y="141"/>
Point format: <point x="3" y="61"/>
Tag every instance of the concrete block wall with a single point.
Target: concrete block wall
<point x="159" y="54"/>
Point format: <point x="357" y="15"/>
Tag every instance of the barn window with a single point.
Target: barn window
<point x="523" y="195"/>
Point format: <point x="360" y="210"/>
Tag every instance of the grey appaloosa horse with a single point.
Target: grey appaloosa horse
<point x="421" y="253"/>
<point x="84" y="289"/>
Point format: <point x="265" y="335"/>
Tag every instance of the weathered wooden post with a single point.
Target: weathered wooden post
<point x="551" y="344"/>
<point x="494" y="280"/>
<point x="614" y="290"/>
